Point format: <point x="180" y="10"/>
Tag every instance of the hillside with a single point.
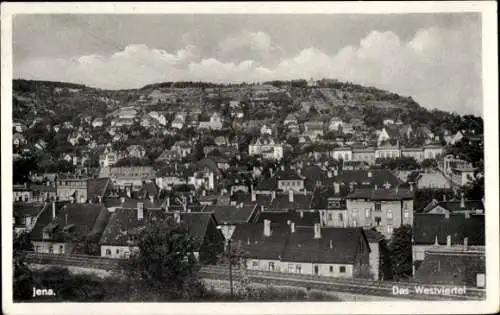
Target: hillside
<point x="66" y="101"/>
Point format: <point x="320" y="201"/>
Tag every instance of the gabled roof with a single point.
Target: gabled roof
<point x="456" y="205"/>
<point x="251" y="238"/>
<point x="307" y="218"/>
<point x="124" y="222"/>
<point x="427" y="226"/>
<point x="86" y="221"/>
<point x="373" y="177"/>
<point x="282" y="202"/>
<point x="201" y="165"/>
<point x="390" y="194"/>
<point x="97" y="187"/>
<point x="288" y="175"/>
<point x="197" y="224"/>
<point x="374" y="236"/>
<point x="267" y="185"/>
<point x="131" y="203"/>
<point x="227" y="214"/>
<point x="303" y="247"/>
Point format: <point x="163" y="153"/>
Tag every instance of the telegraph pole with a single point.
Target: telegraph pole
<point x="227" y="231"/>
<point x="230" y="266"/>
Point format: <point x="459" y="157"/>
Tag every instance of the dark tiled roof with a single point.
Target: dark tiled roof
<point x="282" y="202"/>
<point x="303" y="247"/>
<point x="288" y="175"/>
<point x="371" y="177"/>
<point x="427" y="226"/>
<point x="251" y="238"/>
<point x="124" y="222"/>
<point x="232" y="214"/>
<point x="308" y="218"/>
<point x="374" y="236"/>
<point x="21" y="209"/>
<point x="97" y="187"/>
<point x="197" y="224"/>
<point x="381" y="194"/>
<point x="454" y="206"/>
<point x="267" y="185"/>
<point x="132" y="203"/>
<point x="201" y="165"/>
<point x="88" y="220"/>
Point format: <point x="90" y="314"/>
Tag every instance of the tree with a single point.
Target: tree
<point x="401" y="252"/>
<point x="23" y="278"/>
<point x="164" y="265"/>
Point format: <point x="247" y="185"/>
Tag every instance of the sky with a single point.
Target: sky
<point x="435" y="58"/>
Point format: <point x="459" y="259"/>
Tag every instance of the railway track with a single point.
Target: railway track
<point x="220" y="272"/>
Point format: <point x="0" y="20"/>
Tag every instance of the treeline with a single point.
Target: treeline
<point x="32" y="85"/>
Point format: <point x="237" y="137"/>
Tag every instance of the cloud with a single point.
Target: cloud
<point x="440" y="68"/>
<point x="246" y="45"/>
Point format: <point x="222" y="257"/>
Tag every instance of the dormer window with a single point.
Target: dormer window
<point x="46" y="235"/>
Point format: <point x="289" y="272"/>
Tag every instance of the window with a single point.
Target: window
<point x="405" y="205"/>
<point x="378" y="206"/>
<point x="378" y="220"/>
<point x="108" y="252"/>
<point x="389" y="214"/>
<point x="389" y="229"/>
<point x="354" y="213"/>
<point x="341" y="217"/>
<point x="342" y="269"/>
<point x="61" y="249"/>
<point x="290" y="268"/>
<point x="117" y="251"/>
<point x="330" y="217"/>
<point x="331" y="268"/>
<point x="354" y="223"/>
<point x="367" y="212"/>
<point x="46" y="235"/>
<point x="406" y="214"/>
<point x="270" y="266"/>
<point x="37" y="249"/>
<point x="298" y="268"/>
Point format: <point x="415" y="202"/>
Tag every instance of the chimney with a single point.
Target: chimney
<point x="66" y="219"/>
<point x="254" y="196"/>
<point x="282" y="167"/>
<point x="288" y="222"/>
<point x="369" y="174"/>
<point x="466" y="243"/>
<point x="122" y="199"/>
<point x="129" y="193"/>
<point x="290" y="196"/>
<point x="267" y="228"/>
<point x="203" y="192"/>
<point x="331" y="244"/>
<point x="462" y="201"/>
<point x="376" y="186"/>
<point x="151" y="198"/>
<point x="397" y="189"/>
<point x="467" y="214"/>
<point x="447" y="215"/>
<point x="336" y="188"/>
<point x="292" y="227"/>
<point x="140" y="211"/>
<point x="317" y="231"/>
<point x="99" y="198"/>
<point x="329" y="174"/>
<point x="335" y="172"/>
<point x="168" y="202"/>
<point x="53" y="209"/>
<point x="301" y="214"/>
<point x="436" y="243"/>
<point x="448" y="241"/>
<point x="177" y="217"/>
<point x="444" y="197"/>
<point x="411" y="186"/>
<point x="273" y="195"/>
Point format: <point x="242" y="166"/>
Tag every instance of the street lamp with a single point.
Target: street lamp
<point x="227" y="230"/>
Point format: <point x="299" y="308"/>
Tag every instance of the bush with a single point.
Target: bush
<point x="363" y="271"/>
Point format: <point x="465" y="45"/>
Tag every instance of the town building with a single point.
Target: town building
<point x="63" y="230"/>
<point x="380" y="208"/>
<point x="266" y="146"/>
